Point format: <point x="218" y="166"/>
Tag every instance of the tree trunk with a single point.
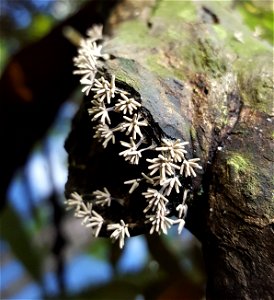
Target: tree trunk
<point x="202" y="77"/>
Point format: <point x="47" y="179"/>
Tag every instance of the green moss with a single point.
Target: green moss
<point x="239" y="163"/>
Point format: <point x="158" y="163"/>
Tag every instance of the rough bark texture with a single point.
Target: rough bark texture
<point x="200" y="82"/>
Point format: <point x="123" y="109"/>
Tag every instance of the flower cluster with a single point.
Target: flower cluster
<point x="166" y="165"/>
<point x="167" y="169"/>
<point x="90" y="53"/>
<point x="85" y="211"/>
<point x="94" y="220"/>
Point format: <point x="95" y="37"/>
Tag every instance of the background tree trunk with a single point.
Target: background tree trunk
<point x="204" y="77"/>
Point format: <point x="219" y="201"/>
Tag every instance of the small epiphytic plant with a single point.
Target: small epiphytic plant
<point x="166" y="166"/>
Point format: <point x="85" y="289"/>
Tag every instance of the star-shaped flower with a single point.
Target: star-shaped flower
<point x="74" y="201"/>
<point x="99" y="111"/>
<point x="131" y="153"/>
<point x="174" y="149"/>
<point x="88" y="47"/>
<point x="102" y="197"/>
<point x="156" y="200"/>
<point x="133" y="125"/>
<point x="95" y="32"/>
<point x="164" y="165"/>
<point x="104" y="89"/>
<point x="104" y="134"/>
<point x="160" y="223"/>
<point x="170" y="183"/>
<point x="95" y="222"/>
<point x="82" y="209"/>
<point x="86" y="67"/>
<point x="127" y="105"/>
<point x="188" y="166"/>
<point x="88" y="83"/>
<point x="119" y="233"/>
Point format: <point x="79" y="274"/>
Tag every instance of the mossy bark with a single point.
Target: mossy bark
<point x="205" y="78"/>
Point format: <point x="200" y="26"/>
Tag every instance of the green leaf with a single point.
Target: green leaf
<point x="20" y="241"/>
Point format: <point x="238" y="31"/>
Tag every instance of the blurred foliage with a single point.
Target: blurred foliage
<point x="25" y="21"/>
<point x="259" y="16"/>
<point x="20" y="240"/>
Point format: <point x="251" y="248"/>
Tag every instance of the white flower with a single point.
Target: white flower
<point x="127" y="105"/>
<point x="74" y="201"/>
<point x="164" y="165"/>
<point x="174" y="149"/>
<point x="95" y="32"/>
<point x="134" y="184"/>
<point x="187" y="167"/>
<point x="90" y="48"/>
<point x="86" y="67"/>
<point x="88" y="84"/>
<point x="133" y="126"/>
<point x="120" y="231"/>
<point x="131" y="153"/>
<point x="104" y="134"/>
<point x="100" y="112"/>
<point x="160" y="223"/>
<point x="102" y="197"/>
<point x="170" y="183"/>
<point x="82" y="210"/>
<point x="104" y="89"/>
<point x="95" y="222"/>
<point x="151" y="180"/>
<point x="156" y="200"/>
<point x="181" y="223"/>
<point x="86" y="61"/>
<point x="182" y="208"/>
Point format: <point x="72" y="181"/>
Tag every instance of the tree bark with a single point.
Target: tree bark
<point x="202" y="77"/>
